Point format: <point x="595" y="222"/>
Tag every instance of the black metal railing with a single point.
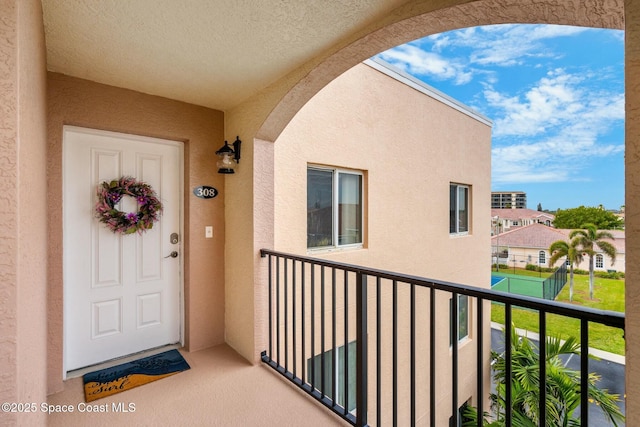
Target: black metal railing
<point x="376" y="347"/>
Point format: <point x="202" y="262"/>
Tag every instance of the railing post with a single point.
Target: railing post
<point x="480" y="360"/>
<point x="361" y="349"/>
<point x="584" y="372"/>
<point x="454" y="332"/>
<point x="542" y="360"/>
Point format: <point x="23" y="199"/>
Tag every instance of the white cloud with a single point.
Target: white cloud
<point x="417" y="61"/>
<point x="551" y="129"/>
<point x="561" y="158"/>
<point x="559" y="100"/>
<point x="503" y="45"/>
<point x="558" y="124"/>
<point x="440" y="41"/>
<point x="539" y="32"/>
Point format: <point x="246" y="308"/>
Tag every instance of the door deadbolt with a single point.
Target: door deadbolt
<point x="174" y="238"/>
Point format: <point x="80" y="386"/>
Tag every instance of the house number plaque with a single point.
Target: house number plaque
<point x="205" y="192"/>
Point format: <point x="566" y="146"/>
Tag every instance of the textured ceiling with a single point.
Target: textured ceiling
<point x="214" y="53"/>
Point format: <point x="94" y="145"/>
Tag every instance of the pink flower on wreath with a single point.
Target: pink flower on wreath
<point x="115" y="198"/>
<point x="132" y="217"/>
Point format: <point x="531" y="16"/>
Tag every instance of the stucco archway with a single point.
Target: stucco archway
<point x="249" y="209"/>
<point x="424" y="18"/>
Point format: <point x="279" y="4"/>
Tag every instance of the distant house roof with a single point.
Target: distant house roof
<point x="517" y="214"/>
<point x="539" y="236"/>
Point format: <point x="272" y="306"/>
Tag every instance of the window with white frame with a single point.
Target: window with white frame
<point x="542" y="258"/>
<point x="334" y="207"/>
<point x="463" y="318"/>
<point x="599" y="261"/>
<point x="458" y="209"/>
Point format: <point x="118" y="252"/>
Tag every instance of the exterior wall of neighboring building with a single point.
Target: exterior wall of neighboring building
<point x="88" y="104"/>
<point x="400" y="138"/>
<point x="523" y="256"/>
<point x="524" y="246"/>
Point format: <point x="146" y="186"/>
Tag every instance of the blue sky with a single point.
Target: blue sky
<point x="556" y="98"/>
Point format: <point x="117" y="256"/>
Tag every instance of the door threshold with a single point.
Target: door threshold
<point x="120" y="360"/>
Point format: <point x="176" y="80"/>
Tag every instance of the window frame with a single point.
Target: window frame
<point x="335" y="208"/>
<point x="344" y="355"/>
<point x="455" y="222"/>
<point x="542" y="258"/>
<point x="467" y="324"/>
<point x="599" y="261"/>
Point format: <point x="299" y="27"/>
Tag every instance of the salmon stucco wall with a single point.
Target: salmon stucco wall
<point x="410" y="146"/>
<point x="83" y="103"/>
<point x="23" y="187"/>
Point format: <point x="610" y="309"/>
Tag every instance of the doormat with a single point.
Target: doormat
<point x="106" y="382"/>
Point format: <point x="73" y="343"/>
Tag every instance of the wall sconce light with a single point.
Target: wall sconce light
<point x="227" y="156"/>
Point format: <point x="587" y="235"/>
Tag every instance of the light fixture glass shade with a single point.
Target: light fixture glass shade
<point x="225" y="163"/>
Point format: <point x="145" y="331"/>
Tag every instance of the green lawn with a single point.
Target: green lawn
<point x="608" y="295"/>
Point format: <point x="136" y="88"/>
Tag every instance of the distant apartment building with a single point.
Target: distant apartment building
<point x="508" y="200"/>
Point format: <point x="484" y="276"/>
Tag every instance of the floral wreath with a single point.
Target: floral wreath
<point x="110" y="193"/>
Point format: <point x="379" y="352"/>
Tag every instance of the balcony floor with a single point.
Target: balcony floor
<point x="220" y="389"/>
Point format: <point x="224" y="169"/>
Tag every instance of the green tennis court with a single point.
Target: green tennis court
<point x="520" y="285"/>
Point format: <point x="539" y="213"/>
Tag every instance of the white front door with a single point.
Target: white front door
<point x="122" y="294"/>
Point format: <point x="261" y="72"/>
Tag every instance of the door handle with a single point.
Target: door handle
<point x="173" y="254"/>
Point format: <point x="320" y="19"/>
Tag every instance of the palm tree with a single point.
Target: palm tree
<point x="587" y="239"/>
<point x="561" y="249"/>
<point x="562" y="392"/>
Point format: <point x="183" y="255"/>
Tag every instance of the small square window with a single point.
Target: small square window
<point x="599" y="261"/>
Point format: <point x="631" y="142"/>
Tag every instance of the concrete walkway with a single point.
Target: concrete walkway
<point x="221" y="389"/>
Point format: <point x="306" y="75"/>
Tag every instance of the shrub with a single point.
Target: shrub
<point x="501" y="266"/>
<point x="532" y="267"/>
<point x="609" y="274"/>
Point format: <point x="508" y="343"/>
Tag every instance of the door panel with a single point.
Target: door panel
<point x="121" y="295"/>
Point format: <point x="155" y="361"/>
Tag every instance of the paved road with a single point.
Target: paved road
<point x="612" y="377"/>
